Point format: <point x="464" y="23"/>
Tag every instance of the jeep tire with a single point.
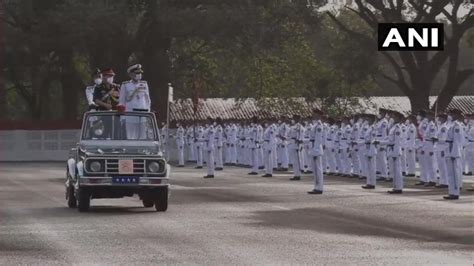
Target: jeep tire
<point x="161" y="199"/>
<point x="148" y="203"/>
<point x="71" y="198"/>
<point x="83" y="200"/>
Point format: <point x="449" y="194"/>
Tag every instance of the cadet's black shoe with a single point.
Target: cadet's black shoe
<point x="209" y="176"/>
<point x="395" y="191"/>
<point x="315" y="192"/>
<point x="441" y="186"/>
<point x="354" y="176"/>
<point x="284" y="169"/>
<point x="267" y="175"/>
<point x="261" y="167"/>
<point x="368" y="186"/>
<point x="295" y="178"/>
<point x="308" y="172"/>
<point x="219" y="169"/>
<point x="420" y="183"/>
<point x="380" y="179"/>
<point x="404" y="174"/>
<point x="468" y="173"/>
<point x="430" y="184"/>
<point x="410" y="175"/>
<point x="451" y="197"/>
<point x="180" y="165"/>
<point x="198" y="167"/>
<point x="389" y="180"/>
<point x="253" y="173"/>
<point x="377" y="173"/>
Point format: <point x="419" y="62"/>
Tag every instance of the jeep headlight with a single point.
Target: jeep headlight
<point x="95" y="166"/>
<point x="153" y="167"/>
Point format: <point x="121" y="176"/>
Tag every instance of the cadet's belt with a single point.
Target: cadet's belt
<point x="379" y="135"/>
<point x="343" y="139"/>
<point x="449" y="141"/>
<point x="266" y="140"/>
<point x="329" y="139"/>
<point x="391" y="145"/>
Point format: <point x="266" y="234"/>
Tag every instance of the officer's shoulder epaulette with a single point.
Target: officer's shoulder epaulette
<point x="126" y="82"/>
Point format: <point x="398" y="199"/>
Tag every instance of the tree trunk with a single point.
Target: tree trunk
<point x="71" y="85"/>
<point x="3" y="93"/>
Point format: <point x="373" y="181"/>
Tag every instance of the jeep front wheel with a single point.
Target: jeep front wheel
<point x="83" y="200"/>
<point x="148" y="203"/>
<point x="71" y="199"/>
<point x="161" y="200"/>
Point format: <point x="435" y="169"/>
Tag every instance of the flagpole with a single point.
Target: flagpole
<point x="170" y="99"/>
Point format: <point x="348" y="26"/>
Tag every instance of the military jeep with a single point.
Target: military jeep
<point x="118" y="155"/>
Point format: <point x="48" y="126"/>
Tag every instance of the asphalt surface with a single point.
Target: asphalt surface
<point x="232" y="219"/>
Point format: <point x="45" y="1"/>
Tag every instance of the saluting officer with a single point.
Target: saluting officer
<point x="97" y="76"/>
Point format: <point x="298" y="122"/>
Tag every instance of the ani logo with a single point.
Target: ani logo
<point x="410" y="37"/>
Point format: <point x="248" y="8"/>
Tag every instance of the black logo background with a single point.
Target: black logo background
<point x="384" y="29"/>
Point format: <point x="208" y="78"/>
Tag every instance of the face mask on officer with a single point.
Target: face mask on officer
<point x="97" y="81"/>
<point x="137" y="77"/>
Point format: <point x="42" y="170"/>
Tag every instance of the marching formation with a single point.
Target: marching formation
<point x="384" y="148"/>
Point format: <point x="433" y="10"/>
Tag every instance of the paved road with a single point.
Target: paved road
<point x="233" y="219"/>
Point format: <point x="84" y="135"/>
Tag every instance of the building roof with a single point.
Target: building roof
<point x="230" y="108"/>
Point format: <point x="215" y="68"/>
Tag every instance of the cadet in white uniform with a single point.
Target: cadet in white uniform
<point x="190" y="143"/>
<point x="296" y="141"/>
<point x="209" y="148"/>
<point x="442" y="150"/>
<point x="219" y="137"/>
<point x="469" y="149"/>
<point x="394" y="152"/>
<point x="180" y="137"/>
<point x="371" y="152"/>
<point x="198" y="143"/>
<point x="97" y="76"/>
<point x="283" y="145"/>
<point x="134" y="94"/>
<point x="455" y="141"/>
<point x="317" y="139"/>
<point x="410" y="145"/>
<point x="428" y="147"/>
<point x="382" y="130"/>
<point x="268" y="149"/>
<point x="254" y="143"/>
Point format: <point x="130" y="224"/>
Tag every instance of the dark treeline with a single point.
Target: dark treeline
<point x="205" y="48"/>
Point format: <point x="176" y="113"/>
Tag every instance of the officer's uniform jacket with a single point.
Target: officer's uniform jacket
<point x="253" y="137"/>
<point x="199" y="136"/>
<point x="429" y="134"/>
<point x="190" y="135"/>
<point x="90" y="94"/>
<point x="180" y="136"/>
<point x="219" y="136"/>
<point x="209" y="138"/>
<point x="135" y="95"/>
<point x="283" y="130"/>
<point x="442" y="136"/>
<point x="317" y="136"/>
<point x="269" y="138"/>
<point x="370" y="137"/>
<point x="382" y="131"/>
<point x="422" y="127"/>
<point x="455" y="139"/>
<point x="259" y="140"/>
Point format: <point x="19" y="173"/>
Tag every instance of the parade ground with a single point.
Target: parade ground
<point x="233" y="219"/>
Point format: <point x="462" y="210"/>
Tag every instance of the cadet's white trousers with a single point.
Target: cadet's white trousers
<point x="180" y="153"/>
<point x="317" y="168"/>
<point x="219" y="159"/>
<point x="284" y="157"/>
<point x="255" y="161"/>
<point x="296" y="160"/>
<point x="192" y="152"/>
<point x="371" y="170"/>
<point x="428" y="173"/>
<point x="411" y="161"/>
<point x="199" y="154"/>
<point x="396" y="172"/>
<point x="268" y="157"/>
<point x="233" y="153"/>
<point x="331" y="160"/>
<point x="382" y="162"/>
<point x="454" y="167"/>
<point x="355" y="161"/>
<point x="442" y="167"/>
<point x="210" y="162"/>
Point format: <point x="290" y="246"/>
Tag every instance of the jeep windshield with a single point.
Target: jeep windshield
<point x="118" y="126"/>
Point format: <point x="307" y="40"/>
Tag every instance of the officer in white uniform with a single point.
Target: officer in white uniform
<point x="209" y="148"/>
<point x="442" y="150"/>
<point x="198" y="143"/>
<point x="296" y="141"/>
<point x="219" y="137"/>
<point x="180" y="137"/>
<point x="469" y="148"/>
<point x="268" y="148"/>
<point x="253" y="135"/>
<point x="427" y="151"/>
<point x="382" y="131"/>
<point x="371" y="142"/>
<point x="394" y="152"/>
<point x="190" y="143"/>
<point x="134" y="94"/>
<point x="317" y="138"/>
<point x="283" y="145"/>
<point x="455" y="139"/>
<point x="97" y="76"/>
<point x="410" y="145"/>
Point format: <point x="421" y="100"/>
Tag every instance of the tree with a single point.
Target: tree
<point x="415" y="72"/>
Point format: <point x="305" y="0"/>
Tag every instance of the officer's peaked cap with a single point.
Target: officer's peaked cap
<point x="137" y="68"/>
